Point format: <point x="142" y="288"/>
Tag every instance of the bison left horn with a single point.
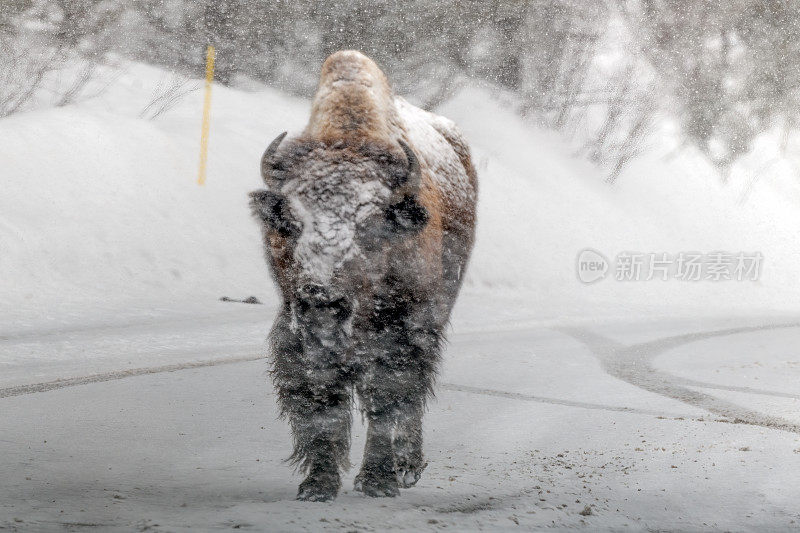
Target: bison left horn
<point x="413" y="176"/>
<point x="268" y="153"/>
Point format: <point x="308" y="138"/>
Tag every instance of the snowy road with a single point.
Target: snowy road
<point x="131" y="399"/>
<point x="669" y="425"/>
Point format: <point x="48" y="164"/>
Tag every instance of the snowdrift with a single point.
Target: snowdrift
<point x="100" y="211"/>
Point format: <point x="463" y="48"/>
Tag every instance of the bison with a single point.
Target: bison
<point x="368" y="220"/>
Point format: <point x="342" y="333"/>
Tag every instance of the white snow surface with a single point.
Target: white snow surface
<point x="583" y="416"/>
<point x="133" y="399"/>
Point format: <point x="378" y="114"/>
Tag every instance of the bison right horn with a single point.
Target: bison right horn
<point x="271" y="149"/>
<point x="414" y="175"/>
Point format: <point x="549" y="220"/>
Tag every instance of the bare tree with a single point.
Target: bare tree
<point x="171" y="89"/>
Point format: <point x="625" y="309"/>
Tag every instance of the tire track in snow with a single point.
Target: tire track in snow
<point x="134" y="325"/>
<point x="451" y="387"/>
<point x="47" y="386"/>
<point x="629" y="363"/>
<point x="634" y="364"/>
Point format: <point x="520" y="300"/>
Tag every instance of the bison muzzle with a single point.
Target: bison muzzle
<point x="368" y="219"/>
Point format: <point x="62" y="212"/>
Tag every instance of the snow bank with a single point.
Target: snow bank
<point x="101" y="210"/>
<point x="540" y="205"/>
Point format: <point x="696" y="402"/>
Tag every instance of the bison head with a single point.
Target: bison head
<point x="331" y="213"/>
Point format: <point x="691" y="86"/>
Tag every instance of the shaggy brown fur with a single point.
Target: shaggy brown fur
<point x="368" y="220"/>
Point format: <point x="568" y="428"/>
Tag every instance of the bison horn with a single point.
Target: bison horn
<point x="271" y="149"/>
<point x="414" y="174"/>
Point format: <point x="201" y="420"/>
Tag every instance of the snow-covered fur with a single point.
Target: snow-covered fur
<point x="368" y="220"/>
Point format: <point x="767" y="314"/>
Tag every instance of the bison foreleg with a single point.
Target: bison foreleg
<point x="377" y="477"/>
<point x="393" y="392"/>
<point x="315" y="396"/>
<point x="409" y="461"/>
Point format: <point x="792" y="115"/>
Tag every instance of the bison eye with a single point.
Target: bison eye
<point x="398" y="220"/>
<point x="273" y="210"/>
<point x="407" y="216"/>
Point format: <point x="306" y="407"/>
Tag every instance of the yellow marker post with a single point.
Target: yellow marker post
<point x="210" y="54"/>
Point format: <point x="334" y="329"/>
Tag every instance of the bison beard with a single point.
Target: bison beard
<point x="367" y="239"/>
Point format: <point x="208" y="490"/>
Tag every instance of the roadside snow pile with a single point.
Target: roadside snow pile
<point x="540" y="205"/>
<point x="100" y="209"/>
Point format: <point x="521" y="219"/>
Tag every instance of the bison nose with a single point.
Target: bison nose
<point x="319" y="298"/>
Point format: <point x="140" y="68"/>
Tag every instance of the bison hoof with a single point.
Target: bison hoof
<point x="408" y="475"/>
<point x="377" y="486"/>
<point x="316" y="490"/>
